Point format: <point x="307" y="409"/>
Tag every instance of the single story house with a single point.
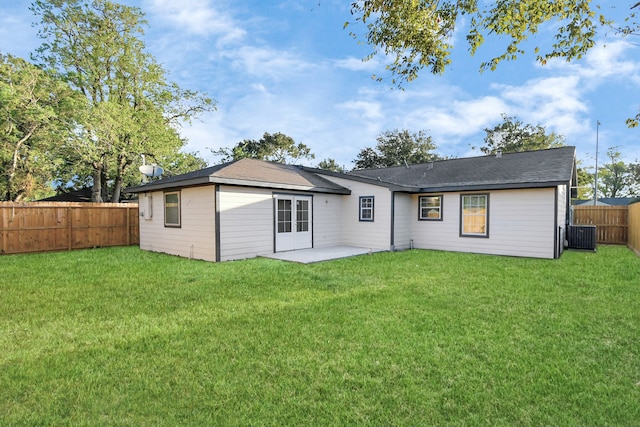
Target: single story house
<point x="513" y="204"/>
<point x="607" y="201"/>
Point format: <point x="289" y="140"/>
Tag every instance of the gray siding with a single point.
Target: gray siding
<point x="404" y="215"/>
<point x="521" y="223"/>
<point x="375" y="235"/>
<point x="196" y="236"/>
<point x="246" y="222"/>
<point x="327" y="220"/>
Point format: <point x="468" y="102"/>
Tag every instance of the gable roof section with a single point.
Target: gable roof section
<point x="248" y="172"/>
<point x="529" y="169"/>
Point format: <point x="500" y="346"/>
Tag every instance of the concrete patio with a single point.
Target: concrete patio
<point x="308" y="256"/>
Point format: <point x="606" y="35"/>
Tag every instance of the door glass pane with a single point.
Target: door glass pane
<point x="284" y="216"/>
<point x="302" y="215"/>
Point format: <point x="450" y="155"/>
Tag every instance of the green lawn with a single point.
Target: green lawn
<point x="118" y="336"/>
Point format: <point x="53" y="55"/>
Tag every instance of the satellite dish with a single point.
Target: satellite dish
<point x="151" y="170"/>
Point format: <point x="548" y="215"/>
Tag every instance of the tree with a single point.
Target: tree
<point x="614" y="178"/>
<point x="396" y="148"/>
<point x="36" y="109"/>
<point x="330" y="165"/>
<point x="512" y="136"/>
<point x="585" y="183"/>
<point x="417" y="33"/>
<point x="634" y="172"/>
<point x="276" y="147"/>
<point x="132" y="108"/>
<point x="631" y="27"/>
<point x="179" y="163"/>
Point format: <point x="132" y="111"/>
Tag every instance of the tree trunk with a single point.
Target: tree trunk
<point x="96" y="189"/>
<point x="11" y="194"/>
<point x="123" y="164"/>
<point x="104" y="185"/>
<point x="117" y="187"/>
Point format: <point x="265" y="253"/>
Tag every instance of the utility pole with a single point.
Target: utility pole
<point x="595" y="181"/>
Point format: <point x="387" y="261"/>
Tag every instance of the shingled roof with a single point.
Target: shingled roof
<point x="527" y="169"/>
<point x="248" y="172"/>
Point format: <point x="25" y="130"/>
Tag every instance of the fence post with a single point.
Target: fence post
<point x="128" y="212"/>
<point x="69" y="229"/>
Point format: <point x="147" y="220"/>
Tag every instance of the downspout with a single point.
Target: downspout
<point x="217" y="219"/>
<point x="556" y="233"/>
<point x="393" y="220"/>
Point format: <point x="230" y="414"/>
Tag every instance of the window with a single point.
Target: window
<point x="172" y="209"/>
<point x="430" y="208"/>
<point x="474" y="215"/>
<point x="366" y="208"/>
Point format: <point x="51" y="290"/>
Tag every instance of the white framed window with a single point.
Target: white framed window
<point x="366" y="208"/>
<point x="172" y="209"/>
<point x="474" y="215"/>
<point x="430" y="208"/>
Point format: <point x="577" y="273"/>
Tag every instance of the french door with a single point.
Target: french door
<point x="293" y="222"/>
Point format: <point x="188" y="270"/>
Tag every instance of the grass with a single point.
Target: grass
<point x="118" y="336"/>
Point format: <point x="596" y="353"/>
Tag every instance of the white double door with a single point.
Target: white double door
<point x="293" y="222"/>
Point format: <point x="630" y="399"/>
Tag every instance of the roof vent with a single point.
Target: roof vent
<point x="499" y="154"/>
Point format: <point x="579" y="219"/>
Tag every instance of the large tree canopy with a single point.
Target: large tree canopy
<point x="330" y="165"/>
<point x="276" y="147"/>
<point x="394" y="148"/>
<point x="512" y="136"/>
<point x="616" y="178"/>
<point x="97" y="48"/>
<point x="36" y="111"/>
<point x="417" y="33"/>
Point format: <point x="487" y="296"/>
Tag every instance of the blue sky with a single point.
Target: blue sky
<point x="289" y="66"/>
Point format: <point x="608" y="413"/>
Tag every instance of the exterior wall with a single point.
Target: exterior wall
<point x="195" y="238"/>
<point x="246" y="222"/>
<point x="327" y="223"/>
<point x="404" y="215"/>
<point x="376" y="234"/>
<point x="521" y="223"/>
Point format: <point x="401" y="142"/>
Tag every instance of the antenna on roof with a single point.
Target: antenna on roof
<point x="405" y="163"/>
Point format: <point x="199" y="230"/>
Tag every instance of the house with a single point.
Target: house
<point x="513" y="204"/>
<point x="82" y="195"/>
<point x="606" y="201"/>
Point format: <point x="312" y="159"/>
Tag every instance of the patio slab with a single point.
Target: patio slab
<point x="308" y="256"/>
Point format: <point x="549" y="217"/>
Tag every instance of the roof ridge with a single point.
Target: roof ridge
<point x="463" y="158"/>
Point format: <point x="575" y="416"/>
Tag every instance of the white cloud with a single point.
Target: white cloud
<point x="357" y="64"/>
<point x="363" y="110"/>
<point x="199" y="17"/>
<point x="266" y="62"/>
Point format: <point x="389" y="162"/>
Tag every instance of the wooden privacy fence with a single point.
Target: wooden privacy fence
<point x="57" y="226"/>
<point x="612" y="222"/>
<point x="634" y="227"/>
